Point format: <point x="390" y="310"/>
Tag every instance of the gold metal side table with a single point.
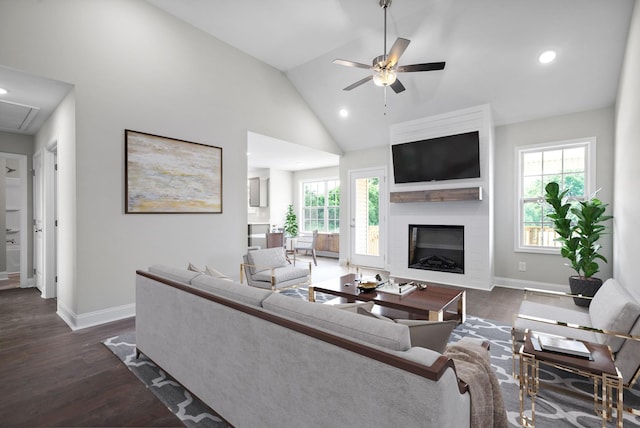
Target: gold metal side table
<point x="607" y="381"/>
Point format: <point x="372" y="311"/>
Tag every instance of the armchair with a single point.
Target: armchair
<point x="268" y="268"/>
<point x="307" y="244"/>
<point x="612" y="318"/>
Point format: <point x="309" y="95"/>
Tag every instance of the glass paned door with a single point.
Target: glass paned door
<point x="367" y="218"/>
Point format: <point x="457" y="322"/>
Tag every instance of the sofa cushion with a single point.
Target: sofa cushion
<point x="261" y="260"/>
<point x="173" y="273"/>
<point x="231" y="290"/>
<point x="613" y="309"/>
<point x="385" y="334"/>
<point x="281" y="274"/>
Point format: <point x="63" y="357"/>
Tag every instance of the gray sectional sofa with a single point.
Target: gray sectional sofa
<point x="260" y="358"/>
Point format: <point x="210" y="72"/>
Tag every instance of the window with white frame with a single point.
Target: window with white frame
<point x="569" y="163"/>
<point x="321" y="209"/>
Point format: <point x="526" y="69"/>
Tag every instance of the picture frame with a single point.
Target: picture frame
<point x="170" y="176"/>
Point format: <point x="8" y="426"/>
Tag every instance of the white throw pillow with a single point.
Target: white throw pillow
<point x="193" y="268"/>
<point x="354" y="307"/>
<point x="215" y="273"/>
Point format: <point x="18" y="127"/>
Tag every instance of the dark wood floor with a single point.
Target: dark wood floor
<point x="51" y="376"/>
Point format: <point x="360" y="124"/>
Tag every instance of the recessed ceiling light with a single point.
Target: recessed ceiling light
<point x="546" y="57"/>
<point x="344" y="112"/>
<point x="3" y="91"/>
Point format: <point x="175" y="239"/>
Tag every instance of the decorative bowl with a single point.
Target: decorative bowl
<point x="368" y="286"/>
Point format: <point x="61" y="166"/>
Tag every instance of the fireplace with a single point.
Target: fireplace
<point x="436" y="247"/>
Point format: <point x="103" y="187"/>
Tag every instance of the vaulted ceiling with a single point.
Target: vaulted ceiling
<point x="490" y="48"/>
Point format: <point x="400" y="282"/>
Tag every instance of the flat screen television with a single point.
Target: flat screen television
<point x="443" y="158"/>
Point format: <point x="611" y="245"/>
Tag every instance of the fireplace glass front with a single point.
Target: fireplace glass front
<point x="436" y="247"/>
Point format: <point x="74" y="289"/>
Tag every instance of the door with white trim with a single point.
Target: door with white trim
<point x="368" y="217"/>
<point x="38" y="222"/>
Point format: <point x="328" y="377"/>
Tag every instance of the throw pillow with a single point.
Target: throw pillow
<point x="429" y="334"/>
<point x="215" y="273"/>
<point x="368" y="313"/>
<point x="193" y="268"/>
<point x="432" y="335"/>
<point x="354" y="307"/>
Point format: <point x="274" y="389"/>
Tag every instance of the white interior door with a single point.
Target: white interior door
<point x="38" y="222"/>
<point x="368" y="217"/>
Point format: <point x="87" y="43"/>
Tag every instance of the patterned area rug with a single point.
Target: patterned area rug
<point x="553" y="409"/>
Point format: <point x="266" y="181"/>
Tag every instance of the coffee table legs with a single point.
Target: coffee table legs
<point x="603" y="384"/>
<point x="312" y="294"/>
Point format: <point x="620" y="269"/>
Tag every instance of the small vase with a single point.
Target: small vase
<point x="586" y="287"/>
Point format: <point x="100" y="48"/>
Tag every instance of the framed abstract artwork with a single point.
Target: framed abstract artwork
<point x="169" y="176"/>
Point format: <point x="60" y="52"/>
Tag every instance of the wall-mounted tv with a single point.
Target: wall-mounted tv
<point x="443" y="158"/>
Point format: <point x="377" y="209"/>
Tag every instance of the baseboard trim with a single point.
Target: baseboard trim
<point x="91" y="319"/>
<point x="520" y="284"/>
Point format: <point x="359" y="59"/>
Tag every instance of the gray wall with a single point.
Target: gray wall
<point x="548" y="269"/>
<point x="627" y="163"/>
<point x="136" y="67"/>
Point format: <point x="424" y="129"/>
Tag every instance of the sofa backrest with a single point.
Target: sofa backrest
<point x="173" y="273"/>
<point x="231" y="290"/>
<point x="376" y="332"/>
<point x="613" y="309"/>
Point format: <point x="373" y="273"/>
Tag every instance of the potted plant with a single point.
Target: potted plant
<point x="579" y="229"/>
<point x="291" y="223"/>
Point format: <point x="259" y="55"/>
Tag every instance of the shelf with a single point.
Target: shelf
<point x="438" y="195"/>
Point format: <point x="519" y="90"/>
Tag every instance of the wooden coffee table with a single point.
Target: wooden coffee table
<point x="434" y="303"/>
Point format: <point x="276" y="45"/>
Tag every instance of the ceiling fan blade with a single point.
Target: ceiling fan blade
<point x="398" y="48"/>
<point x="358" y="83"/>
<point x="397" y="86"/>
<point x="351" y="64"/>
<point x="428" y="66"/>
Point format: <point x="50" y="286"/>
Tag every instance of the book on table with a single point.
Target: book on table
<point x="563" y="345"/>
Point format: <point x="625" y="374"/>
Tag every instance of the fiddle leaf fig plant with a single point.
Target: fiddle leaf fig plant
<point x="291" y="223"/>
<point x="579" y="229"/>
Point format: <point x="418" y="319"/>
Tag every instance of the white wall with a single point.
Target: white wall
<point x="136" y="67"/>
<point x="280" y="195"/>
<point x="545" y="270"/>
<point x="61" y="128"/>
<point x="360" y="159"/>
<point x="627" y="171"/>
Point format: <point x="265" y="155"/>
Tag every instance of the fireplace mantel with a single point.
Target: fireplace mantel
<point x="438" y="195"/>
<point x="466" y="202"/>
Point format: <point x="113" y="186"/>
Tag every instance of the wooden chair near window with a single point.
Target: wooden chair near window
<point x="275" y="239"/>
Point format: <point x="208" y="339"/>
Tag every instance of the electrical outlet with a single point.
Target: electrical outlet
<point x="522" y="266"/>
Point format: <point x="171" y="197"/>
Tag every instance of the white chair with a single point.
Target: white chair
<point x="268" y="268"/>
<point x="306" y="244"/>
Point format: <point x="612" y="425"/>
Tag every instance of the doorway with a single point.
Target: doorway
<point x="17" y="225"/>
<point x="368" y="217"/>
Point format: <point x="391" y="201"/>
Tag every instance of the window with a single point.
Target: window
<point x="321" y="206"/>
<point x="572" y="165"/>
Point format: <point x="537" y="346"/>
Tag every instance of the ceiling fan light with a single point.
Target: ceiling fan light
<point x="384" y="77"/>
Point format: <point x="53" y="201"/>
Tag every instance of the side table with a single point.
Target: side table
<point x="607" y="381"/>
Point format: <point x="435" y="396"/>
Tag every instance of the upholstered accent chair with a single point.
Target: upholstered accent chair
<point x="308" y="244"/>
<point x="268" y="268"/>
<point x="612" y="318"/>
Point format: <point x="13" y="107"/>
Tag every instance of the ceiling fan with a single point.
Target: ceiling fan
<point x="385" y="67"/>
